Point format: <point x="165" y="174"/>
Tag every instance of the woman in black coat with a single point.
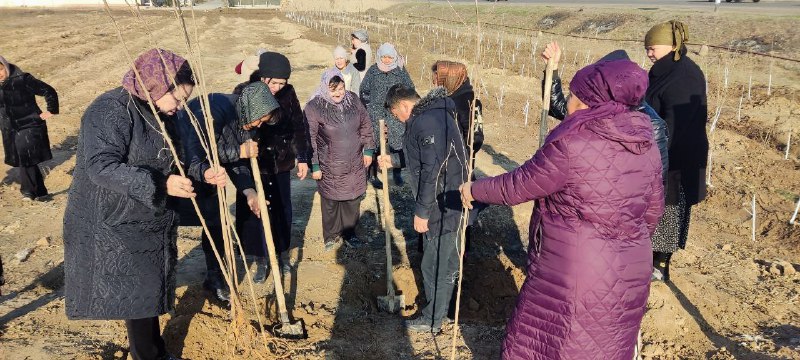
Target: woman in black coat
<point x="120" y="229"/>
<point x="23" y="126"/>
<point x="677" y="92"/>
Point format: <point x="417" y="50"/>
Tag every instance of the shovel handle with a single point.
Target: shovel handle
<point x="386" y="206"/>
<point x="548" y="84"/>
<point x="273" y="260"/>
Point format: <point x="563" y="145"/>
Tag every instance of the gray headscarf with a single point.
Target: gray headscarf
<point x="255" y="102"/>
<point x="361" y="34"/>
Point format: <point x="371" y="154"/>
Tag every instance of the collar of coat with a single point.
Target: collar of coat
<point x="429" y="100"/>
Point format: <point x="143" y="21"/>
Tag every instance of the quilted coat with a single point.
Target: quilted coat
<point x="600" y="196"/>
<point x="339" y="139"/>
<point x="119" y="234"/>
<point x="374" y="87"/>
<point x="24" y="133"/>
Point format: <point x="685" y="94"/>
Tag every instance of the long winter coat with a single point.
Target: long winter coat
<point x="340" y="139"/>
<point x="287" y="140"/>
<point x="119" y="234"/>
<point x="25" y="139"/>
<point x="435" y="156"/>
<point x="600" y="196"/>
<point x="677" y="92"/>
<point x="558" y="110"/>
<point x="374" y="87"/>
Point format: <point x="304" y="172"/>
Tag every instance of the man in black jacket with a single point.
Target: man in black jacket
<point x="436" y="156"/>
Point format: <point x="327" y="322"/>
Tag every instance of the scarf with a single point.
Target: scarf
<point x="255" y="102"/>
<point x="451" y="75"/>
<point x="609" y="88"/>
<point x="672" y="33"/>
<point x="388" y="50"/>
<point x="157" y="74"/>
<point x="323" y="90"/>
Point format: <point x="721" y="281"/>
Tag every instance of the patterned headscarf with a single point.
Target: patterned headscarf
<point x="255" y="102"/>
<point x="672" y="33"/>
<point x="156" y="75"/>
<point x="451" y="75"/>
<point x="323" y="90"/>
<point x="388" y="50"/>
<point x="608" y="88"/>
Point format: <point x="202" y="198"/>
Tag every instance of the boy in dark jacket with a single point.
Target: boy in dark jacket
<point x="436" y="156"/>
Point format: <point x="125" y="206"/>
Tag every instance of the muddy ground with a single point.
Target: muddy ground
<point x="731" y="297"/>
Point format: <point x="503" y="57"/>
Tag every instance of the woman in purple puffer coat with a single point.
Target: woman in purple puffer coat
<point x="598" y="182"/>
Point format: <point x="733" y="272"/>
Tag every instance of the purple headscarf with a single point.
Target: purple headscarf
<point x="609" y="88"/>
<point x="323" y="90"/>
<point x="157" y="77"/>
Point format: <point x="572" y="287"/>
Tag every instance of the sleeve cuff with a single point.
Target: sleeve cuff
<point x="369" y="152"/>
<point x="422" y="211"/>
<point x="315" y="167"/>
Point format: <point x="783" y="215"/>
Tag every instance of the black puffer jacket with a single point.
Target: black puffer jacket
<point x="558" y="110"/>
<point x="119" y="234"/>
<point x="677" y="92"/>
<point x="287" y="140"/>
<point x="436" y="157"/>
<point x="374" y="87"/>
<point x="462" y="97"/>
<point x="340" y="139"/>
<point x="24" y="133"/>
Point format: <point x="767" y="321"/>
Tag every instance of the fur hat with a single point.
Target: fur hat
<point x="273" y="65"/>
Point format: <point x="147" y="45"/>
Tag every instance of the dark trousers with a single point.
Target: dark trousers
<point x="251" y="231"/>
<point x="144" y="337"/>
<point x="31" y="181"/>
<point x="339" y="218"/>
<point x="214" y="278"/>
<point x="439" y="274"/>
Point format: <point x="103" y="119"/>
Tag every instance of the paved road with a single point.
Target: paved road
<point x="765" y="6"/>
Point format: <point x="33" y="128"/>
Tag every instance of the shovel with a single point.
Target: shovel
<point x="287" y="328"/>
<point x="548" y="84"/>
<point x="390" y="303"/>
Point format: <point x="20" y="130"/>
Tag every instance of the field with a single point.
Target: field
<point x="732" y="296"/>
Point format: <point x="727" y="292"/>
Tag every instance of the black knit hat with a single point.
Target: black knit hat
<point x="272" y="65"/>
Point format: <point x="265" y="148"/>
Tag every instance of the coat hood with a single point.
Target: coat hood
<point x="632" y="130"/>
<point x="436" y="98"/>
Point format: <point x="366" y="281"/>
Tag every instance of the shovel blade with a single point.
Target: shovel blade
<point x="391" y="304"/>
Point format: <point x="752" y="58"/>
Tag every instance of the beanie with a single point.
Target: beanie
<point x="272" y="65"/>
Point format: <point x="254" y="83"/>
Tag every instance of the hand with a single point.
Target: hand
<point x="420" y="224"/>
<point x="316" y="175"/>
<point x="367" y="161"/>
<point x="216" y="176"/>
<point x="302" y="170"/>
<point x="180" y="186"/>
<point x="466" y="194"/>
<point x="552" y="51"/>
<point x="46" y="115"/>
<point x="252" y="201"/>
<point x="248" y="150"/>
<point x="385" y="161"/>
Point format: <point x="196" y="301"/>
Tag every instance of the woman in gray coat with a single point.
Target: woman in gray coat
<point x="120" y="229"/>
<point x="342" y="140"/>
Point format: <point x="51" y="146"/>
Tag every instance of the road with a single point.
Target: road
<point x="765" y="6"/>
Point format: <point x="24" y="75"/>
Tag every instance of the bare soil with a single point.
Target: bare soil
<point x="731" y="297"/>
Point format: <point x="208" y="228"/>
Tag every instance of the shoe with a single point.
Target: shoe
<point x="398" y="177"/>
<point x="216" y="287"/>
<point x="169" y="357"/>
<point x="353" y="243"/>
<point x="422" y="324"/>
<point x="448" y="320"/>
<point x="657" y="275"/>
<point x="28" y="197"/>
<point x="286" y="269"/>
<point x="376" y="183"/>
<point x="262" y="271"/>
<point x="331" y="244"/>
<point x="44" y="198"/>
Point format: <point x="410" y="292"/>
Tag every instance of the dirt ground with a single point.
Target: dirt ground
<point x="731" y="297"/>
